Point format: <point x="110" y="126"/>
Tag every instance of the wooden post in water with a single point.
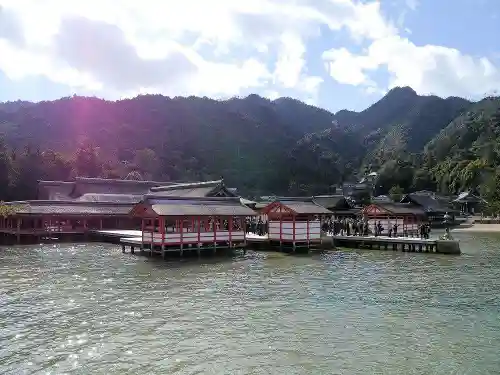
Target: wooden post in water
<point x="162" y="231"/>
<point x="181" y="228"/>
<point x="18" y="232"/>
<point x="198" y="250"/>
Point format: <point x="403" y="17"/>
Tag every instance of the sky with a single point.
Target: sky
<point x="335" y="54"/>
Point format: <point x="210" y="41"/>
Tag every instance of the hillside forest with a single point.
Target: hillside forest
<point x="260" y="146"/>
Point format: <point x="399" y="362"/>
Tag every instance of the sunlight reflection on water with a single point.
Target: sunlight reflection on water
<point x="91" y="309"/>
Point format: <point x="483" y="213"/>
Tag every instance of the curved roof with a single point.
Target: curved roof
<point x="111" y="198"/>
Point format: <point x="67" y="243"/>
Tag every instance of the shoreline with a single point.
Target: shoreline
<point x="478" y="228"/>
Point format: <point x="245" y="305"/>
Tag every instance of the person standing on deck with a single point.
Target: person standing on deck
<point x="395" y="229"/>
<point x="260" y="227"/>
<point x="375" y="229"/>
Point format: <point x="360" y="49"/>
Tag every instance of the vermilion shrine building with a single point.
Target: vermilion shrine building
<point x="77" y="208"/>
<point x="295" y="222"/>
<point x="406" y="216"/>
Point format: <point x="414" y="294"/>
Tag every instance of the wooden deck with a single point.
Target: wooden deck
<point x="405" y="244"/>
<point x="152" y="248"/>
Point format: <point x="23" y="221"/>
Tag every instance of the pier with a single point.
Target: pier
<point x="135" y="240"/>
<point x="404" y="244"/>
<point x="156" y="248"/>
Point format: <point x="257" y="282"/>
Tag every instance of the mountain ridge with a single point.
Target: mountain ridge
<point x="263" y="146"/>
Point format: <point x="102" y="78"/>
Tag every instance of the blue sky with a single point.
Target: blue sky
<point x="332" y="53"/>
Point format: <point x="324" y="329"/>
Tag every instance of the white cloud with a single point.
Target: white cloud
<point x="220" y="48"/>
<point x="427" y="69"/>
<point x="160" y="45"/>
<point x="412" y="4"/>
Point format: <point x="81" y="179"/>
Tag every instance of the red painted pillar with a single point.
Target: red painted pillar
<point x="162" y="230"/>
<point x="293" y="223"/>
<point x="214" y="227"/>
<point x="181" y="228"/>
<point x="199" y="230"/>
<point x="307" y="229"/>
<point x="230" y="229"/>
<point x="142" y="230"/>
<point x="153" y="222"/>
<point x="281" y="224"/>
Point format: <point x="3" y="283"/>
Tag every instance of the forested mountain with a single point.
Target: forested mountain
<point x="261" y="146"/>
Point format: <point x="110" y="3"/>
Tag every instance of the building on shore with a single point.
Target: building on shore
<point x="71" y="190"/>
<point x="358" y="192"/>
<point x="405" y="216"/>
<point x="435" y="208"/>
<point x="469" y="203"/>
<point x="340" y="206"/>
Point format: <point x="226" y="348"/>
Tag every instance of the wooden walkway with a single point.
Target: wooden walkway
<point x="405" y="244"/>
<point x="155" y="248"/>
<point x="132" y="239"/>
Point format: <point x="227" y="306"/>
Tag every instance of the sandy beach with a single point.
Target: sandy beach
<point x="479" y="228"/>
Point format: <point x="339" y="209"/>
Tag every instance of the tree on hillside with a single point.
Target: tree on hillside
<point x="5" y="171"/>
<point x="146" y="162"/>
<point x="55" y="166"/>
<point x="396" y="193"/>
<point x="29" y="168"/>
<point x="87" y="163"/>
<point x="491" y="193"/>
<point x="134" y="175"/>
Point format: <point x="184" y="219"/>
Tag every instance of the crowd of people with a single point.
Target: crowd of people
<point x="346" y="227"/>
<point x="361" y="227"/>
<point x="256" y="226"/>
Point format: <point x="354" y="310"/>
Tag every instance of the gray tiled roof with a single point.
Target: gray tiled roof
<point x="401" y="208"/>
<point x="70" y="208"/>
<point x="306" y="208"/>
<point x="303" y="206"/>
<point x="193" y="189"/>
<point x="427" y="202"/>
<point x="110" y="198"/>
<point x="67" y="190"/>
<point x="186" y="192"/>
<point x="188" y="185"/>
<point x="175" y="206"/>
<point x="331" y="201"/>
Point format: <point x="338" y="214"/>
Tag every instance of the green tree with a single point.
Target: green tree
<point x="29" y="167"/>
<point x="86" y="161"/>
<point x="146" y="162"/>
<point x="5" y="171"/>
<point x="491" y="193"/>
<point x="55" y="166"/>
<point x="396" y="193"/>
<point x="7" y="210"/>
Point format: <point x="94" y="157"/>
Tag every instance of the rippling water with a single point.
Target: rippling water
<point x="91" y="309"/>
